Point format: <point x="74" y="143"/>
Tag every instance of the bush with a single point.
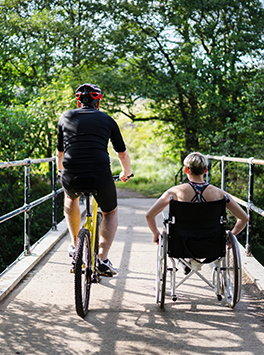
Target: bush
<point x="12" y="197"/>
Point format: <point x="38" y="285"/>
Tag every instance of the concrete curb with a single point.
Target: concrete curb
<point x="253" y="269"/>
<point x="15" y="273"/>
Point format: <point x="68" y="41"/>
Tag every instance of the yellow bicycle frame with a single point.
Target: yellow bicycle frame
<point x="91" y="224"/>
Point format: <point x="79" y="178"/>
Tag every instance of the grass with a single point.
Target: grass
<point x="146" y="187"/>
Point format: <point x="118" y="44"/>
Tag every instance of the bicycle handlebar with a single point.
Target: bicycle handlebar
<point x="116" y="177"/>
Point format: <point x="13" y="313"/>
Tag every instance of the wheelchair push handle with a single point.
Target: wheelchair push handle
<point x="117" y="178"/>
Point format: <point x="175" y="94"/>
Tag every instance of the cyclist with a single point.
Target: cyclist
<point x="83" y="161"/>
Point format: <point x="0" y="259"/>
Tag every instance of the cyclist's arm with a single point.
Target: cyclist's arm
<point x="59" y="159"/>
<point x="125" y="164"/>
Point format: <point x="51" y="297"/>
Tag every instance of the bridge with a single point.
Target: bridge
<point x="38" y="316"/>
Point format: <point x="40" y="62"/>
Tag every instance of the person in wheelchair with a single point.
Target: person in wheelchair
<point x="195" y="190"/>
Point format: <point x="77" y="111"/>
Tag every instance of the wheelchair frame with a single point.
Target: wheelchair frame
<point x="226" y="273"/>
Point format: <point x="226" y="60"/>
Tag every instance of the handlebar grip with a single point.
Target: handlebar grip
<point x="116" y="177"/>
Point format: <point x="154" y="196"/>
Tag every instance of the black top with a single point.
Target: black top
<point x="83" y="136"/>
<point x="198" y="189"/>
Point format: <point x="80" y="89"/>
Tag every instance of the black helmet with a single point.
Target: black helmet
<point x="88" y="93"/>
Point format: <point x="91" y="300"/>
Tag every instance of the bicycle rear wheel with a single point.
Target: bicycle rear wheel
<point x="83" y="273"/>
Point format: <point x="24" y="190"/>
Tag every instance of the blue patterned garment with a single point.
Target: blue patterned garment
<point x="198" y="189"/>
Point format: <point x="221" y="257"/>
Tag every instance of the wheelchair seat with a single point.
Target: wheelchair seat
<point x="194" y="234"/>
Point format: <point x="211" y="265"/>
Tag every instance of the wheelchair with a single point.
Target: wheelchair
<point x="194" y="234"/>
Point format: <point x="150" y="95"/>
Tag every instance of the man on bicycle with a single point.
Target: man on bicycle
<point x="83" y="162"/>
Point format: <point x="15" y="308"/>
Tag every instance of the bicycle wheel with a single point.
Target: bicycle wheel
<point x="231" y="271"/>
<point x="83" y="273"/>
<point x="161" y="270"/>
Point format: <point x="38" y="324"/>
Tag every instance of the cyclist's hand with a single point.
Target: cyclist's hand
<point x="59" y="176"/>
<point x="124" y="177"/>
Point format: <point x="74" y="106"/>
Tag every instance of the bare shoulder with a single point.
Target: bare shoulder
<point x="180" y="192"/>
<point x="212" y="193"/>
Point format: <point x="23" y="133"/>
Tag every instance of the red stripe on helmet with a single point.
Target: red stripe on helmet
<point x="96" y="95"/>
<point x="78" y="95"/>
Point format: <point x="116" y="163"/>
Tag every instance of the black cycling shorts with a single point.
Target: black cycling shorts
<point x="102" y="181"/>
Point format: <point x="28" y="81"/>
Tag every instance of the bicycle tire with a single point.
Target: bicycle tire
<point x="231" y="272"/>
<point x="83" y="273"/>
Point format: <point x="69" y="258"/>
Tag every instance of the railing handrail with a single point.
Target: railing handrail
<point x="239" y="160"/>
<point x="25" y="162"/>
<point x="248" y="204"/>
<point x="28" y="205"/>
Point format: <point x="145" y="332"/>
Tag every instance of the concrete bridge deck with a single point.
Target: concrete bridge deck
<point x="38" y="317"/>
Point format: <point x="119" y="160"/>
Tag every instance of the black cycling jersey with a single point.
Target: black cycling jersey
<point x="198" y="189"/>
<point x="83" y="136"/>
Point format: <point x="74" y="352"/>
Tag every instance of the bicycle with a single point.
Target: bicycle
<point x="86" y="253"/>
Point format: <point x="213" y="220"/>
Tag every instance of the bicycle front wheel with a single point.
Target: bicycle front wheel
<point x="83" y="273"/>
<point x="96" y="276"/>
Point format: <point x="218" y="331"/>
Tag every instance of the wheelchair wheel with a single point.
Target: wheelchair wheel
<point x="161" y="270"/>
<point x="83" y="273"/>
<point x="231" y="271"/>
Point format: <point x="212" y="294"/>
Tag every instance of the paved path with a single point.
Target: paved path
<point x="38" y="317"/>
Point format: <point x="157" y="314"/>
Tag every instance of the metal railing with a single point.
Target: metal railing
<point x="249" y="203"/>
<point x="29" y="205"/>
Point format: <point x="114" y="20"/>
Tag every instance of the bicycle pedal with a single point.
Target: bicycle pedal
<point x="96" y="279"/>
<point x="106" y="274"/>
<point x="72" y="271"/>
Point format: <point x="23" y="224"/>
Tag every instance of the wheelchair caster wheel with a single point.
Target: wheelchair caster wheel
<point x="219" y="297"/>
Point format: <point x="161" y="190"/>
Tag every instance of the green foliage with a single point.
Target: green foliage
<point x="146" y="186"/>
<point x="147" y="151"/>
<point x="20" y="132"/>
<point x="193" y="61"/>
<point x="12" y="197"/>
<point x="237" y="184"/>
<point x="185" y="75"/>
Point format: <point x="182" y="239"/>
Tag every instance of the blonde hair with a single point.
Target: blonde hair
<point x="196" y="163"/>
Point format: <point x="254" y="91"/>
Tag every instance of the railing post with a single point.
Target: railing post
<point x="223" y="172"/>
<point x="181" y="175"/>
<point x="249" y="211"/>
<point x="176" y="176"/>
<point x="26" y="213"/>
<point x="208" y="171"/>
<point x="54" y="199"/>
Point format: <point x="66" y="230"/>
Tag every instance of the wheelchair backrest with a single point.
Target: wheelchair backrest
<point x="197" y="230"/>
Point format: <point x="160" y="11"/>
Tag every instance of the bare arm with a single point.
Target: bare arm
<point x="157" y="208"/>
<point x="240" y="215"/>
<point x="125" y="164"/>
<point x="59" y="158"/>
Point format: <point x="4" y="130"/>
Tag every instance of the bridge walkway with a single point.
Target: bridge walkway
<point x="38" y="317"/>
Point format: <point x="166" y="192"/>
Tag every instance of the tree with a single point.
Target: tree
<point x="192" y="60"/>
<point x="39" y="40"/>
